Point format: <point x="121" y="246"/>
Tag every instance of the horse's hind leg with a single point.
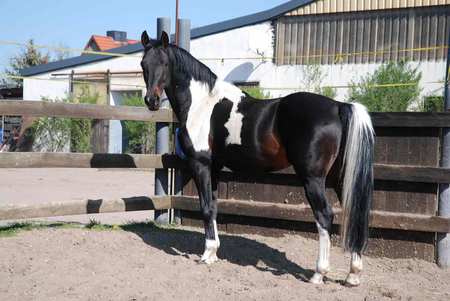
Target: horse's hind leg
<point x="356" y="267"/>
<point x="208" y="203"/>
<point x="315" y="192"/>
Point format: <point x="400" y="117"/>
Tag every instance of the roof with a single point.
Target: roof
<point x="198" y="32"/>
<point x="105" y="43"/>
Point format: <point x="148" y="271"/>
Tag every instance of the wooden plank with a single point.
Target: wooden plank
<point x="389" y="172"/>
<point x="412" y="173"/>
<point x="70" y="110"/>
<point x="75" y="207"/>
<point x="379" y="219"/>
<point x="40" y="109"/>
<point x="285" y="177"/>
<point x="87" y="160"/>
<point x="410" y="119"/>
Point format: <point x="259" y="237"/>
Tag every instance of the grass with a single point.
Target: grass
<point x="15" y="228"/>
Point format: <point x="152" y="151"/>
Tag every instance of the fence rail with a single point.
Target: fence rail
<point x="70" y="110"/>
<point x="86" y="160"/>
<point x="388" y="172"/>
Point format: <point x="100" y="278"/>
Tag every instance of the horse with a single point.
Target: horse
<point x="222" y="126"/>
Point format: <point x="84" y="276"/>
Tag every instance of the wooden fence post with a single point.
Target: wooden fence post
<point x="443" y="245"/>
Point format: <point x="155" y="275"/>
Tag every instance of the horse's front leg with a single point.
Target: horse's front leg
<point x="208" y="204"/>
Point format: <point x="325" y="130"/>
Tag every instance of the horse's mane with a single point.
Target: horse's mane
<point x="186" y="63"/>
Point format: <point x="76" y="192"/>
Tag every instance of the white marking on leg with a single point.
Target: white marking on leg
<point x="323" y="261"/>
<point x="211" y="247"/>
<point x="356" y="267"/>
<point x="202" y="105"/>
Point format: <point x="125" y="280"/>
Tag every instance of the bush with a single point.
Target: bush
<point x="433" y="104"/>
<point x="141" y="135"/>
<point x="57" y="134"/>
<point x="376" y="97"/>
<point x="80" y="129"/>
<point x="256" y="92"/>
<point x="313" y="79"/>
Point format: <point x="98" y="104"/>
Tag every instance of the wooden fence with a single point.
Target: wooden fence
<point x="407" y="173"/>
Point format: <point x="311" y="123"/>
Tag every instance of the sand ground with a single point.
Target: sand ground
<point x="162" y="264"/>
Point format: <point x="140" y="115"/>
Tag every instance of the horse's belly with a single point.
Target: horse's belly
<point x="267" y="155"/>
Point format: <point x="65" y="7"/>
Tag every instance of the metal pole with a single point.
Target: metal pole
<point x="177" y="25"/>
<point x="185" y="43"/>
<point x="162" y="139"/>
<point x="184" y="37"/>
<point x="443" y="245"/>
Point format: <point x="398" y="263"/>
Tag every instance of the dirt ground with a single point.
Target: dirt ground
<point x="150" y="263"/>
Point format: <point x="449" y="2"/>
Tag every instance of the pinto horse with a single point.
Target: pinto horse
<point x="221" y="126"/>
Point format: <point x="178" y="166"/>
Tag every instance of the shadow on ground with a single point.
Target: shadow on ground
<point x="235" y="249"/>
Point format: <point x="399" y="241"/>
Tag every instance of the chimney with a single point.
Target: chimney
<point x="120" y="36"/>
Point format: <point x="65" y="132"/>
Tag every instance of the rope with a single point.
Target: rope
<point x="387" y="85"/>
<point x="338" y="56"/>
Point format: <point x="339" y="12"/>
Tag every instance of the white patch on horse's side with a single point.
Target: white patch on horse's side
<point x="202" y="105"/>
<point x="234" y="123"/>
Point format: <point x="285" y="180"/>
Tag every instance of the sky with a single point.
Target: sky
<point x="71" y="23"/>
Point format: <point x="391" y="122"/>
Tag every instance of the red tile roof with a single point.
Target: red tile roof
<point x="103" y="43"/>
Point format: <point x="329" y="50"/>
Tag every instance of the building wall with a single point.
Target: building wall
<point x="257" y="41"/>
<point x="339" y="6"/>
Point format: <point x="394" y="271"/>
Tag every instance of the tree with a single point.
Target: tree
<point x="30" y="56"/>
<point x="376" y="93"/>
<point x="141" y="135"/>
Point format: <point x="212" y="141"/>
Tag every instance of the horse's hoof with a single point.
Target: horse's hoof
<point x="352" y="280"/>
<point x="209" y="260"/>
<point x="317" y="278"/>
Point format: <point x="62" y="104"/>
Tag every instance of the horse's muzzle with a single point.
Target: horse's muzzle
<point x="152" y="103"/>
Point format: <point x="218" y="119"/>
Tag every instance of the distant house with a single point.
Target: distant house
<point x="113" y="39"/>
<point x="273" y="48"/>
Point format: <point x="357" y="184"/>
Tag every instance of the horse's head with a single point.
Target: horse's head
<point x="155" y="66"/>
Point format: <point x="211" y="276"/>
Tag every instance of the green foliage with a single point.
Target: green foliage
<point x="55" y="134"/>
<point x="51" y="134"/>
<point x="256" y="92"/>
<point x="328" y="92"/>
<point x="80" y="129"/>
<point x="30" y="56"/>
<point x="141" y="135"/>
<point x="312" y="81"/>
<point x="14" y="228"/>
<point x="373" y="92"/>
<point x="433" y="104"/>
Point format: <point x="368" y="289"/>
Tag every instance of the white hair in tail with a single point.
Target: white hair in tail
<point x="357" y="178"/>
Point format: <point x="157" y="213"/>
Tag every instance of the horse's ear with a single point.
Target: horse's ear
<point x="145" y="39"/>
<point x="164" y="39"/>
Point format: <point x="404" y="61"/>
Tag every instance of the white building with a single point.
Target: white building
<point x="273" y="48"/>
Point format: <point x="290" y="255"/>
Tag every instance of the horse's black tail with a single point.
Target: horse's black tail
<point x="357" y="176"/>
